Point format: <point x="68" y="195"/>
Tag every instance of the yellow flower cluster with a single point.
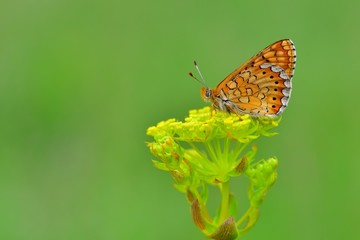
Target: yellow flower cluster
<point x="204" y="124"/>
<point x="208" y="149"/>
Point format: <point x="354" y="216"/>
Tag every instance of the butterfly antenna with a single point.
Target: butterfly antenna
<point x="198" y="69"/>
<point x="192" y="75"/>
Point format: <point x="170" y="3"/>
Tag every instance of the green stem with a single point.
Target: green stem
<point x="197" y="150"/>
<point x="211" y="152"/>
<point x="226" y="151"/>
<point x="218" y="152"/>
<point x="239" y="148"/>
<point x="242" y="219"/>
<point x="225" y="192"/>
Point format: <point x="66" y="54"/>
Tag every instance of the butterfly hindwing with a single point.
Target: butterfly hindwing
<point x="262" y="85"/>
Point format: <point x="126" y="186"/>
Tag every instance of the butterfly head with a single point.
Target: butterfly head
<point x="206" y="94"/>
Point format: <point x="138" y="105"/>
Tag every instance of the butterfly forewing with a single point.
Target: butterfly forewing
<point x="262" y="85"/>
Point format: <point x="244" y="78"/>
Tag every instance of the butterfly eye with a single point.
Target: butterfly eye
<point x="208" y="93"/>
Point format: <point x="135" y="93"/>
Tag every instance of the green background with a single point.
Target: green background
<point x="80" y="81"/>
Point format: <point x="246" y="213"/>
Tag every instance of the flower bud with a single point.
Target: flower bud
<point x="196" y="215"/>
<point x="226" y="231"/>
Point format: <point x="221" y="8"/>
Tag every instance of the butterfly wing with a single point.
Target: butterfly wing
<point x="262" y="85"/>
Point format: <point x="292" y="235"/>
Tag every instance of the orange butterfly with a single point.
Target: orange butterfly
<point x="259" y="87"/>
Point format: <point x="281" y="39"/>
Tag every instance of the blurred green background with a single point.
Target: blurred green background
<point x="80" y="81"/>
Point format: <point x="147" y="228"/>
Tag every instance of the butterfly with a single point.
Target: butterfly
<point x="259" y="87"/>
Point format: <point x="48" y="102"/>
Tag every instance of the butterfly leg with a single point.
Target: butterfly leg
<point x="212" y="109"/>
<point x="222" y="105"/>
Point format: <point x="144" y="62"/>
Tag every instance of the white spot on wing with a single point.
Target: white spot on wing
<point x="283" y="75"/>
<point x="275" y="68"/>
<point x="284" y="100"/>
<point x="281" y="109"/>
<point x="286" y="92"/>
<point x="287" y="83"/>
<point x="265" y="65"/>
